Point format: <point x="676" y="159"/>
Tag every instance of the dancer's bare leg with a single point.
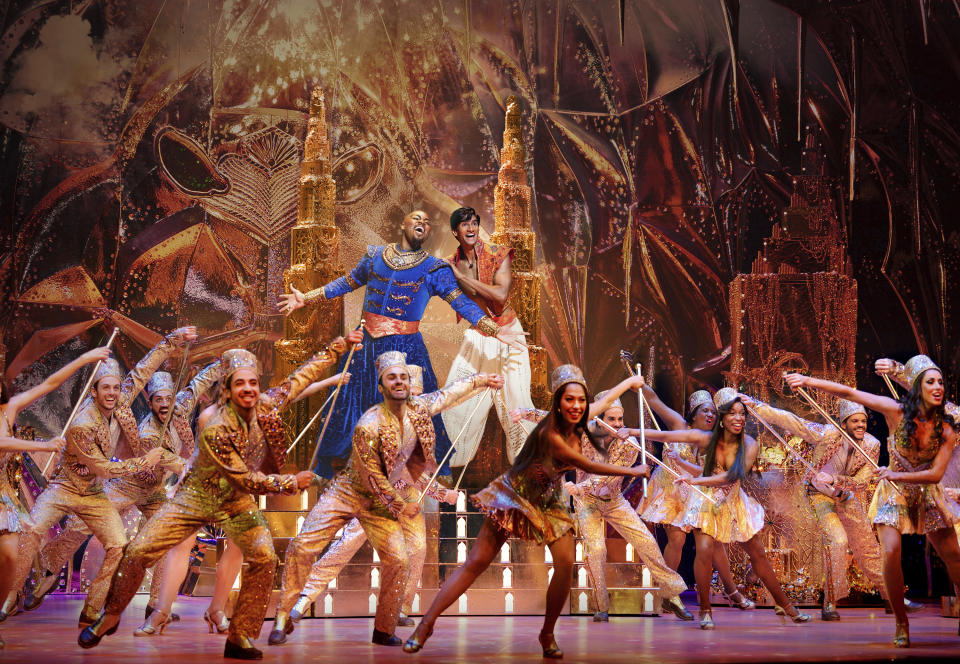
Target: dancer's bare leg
<point x="558" y="592"/>
<point x="763" y="569"/>
<point x="487" y="545"/>
<point x="892" y="571"/>
<point x="8" y="562"/>
<point x="228" y="568"/>
<point x="673" y="551"/>
<point x="703" y="566"/>
<point x="174" y="572"/>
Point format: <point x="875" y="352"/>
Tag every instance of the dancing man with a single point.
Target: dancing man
<point x="393" y="446"/>
<point x="352" y="539"/>
<point x="728" y="455"/>
<point x="143" y="490"/>
<point x="526" y="502"/>
<point x="103" y="421"/>
<point x="599" y="501"/>
<point x="909" y="498"/>
<point x="842" y="474"/>
<point x="219" y="488"/>
<point x="400" y="279"/>
<point x="483" y="273"/>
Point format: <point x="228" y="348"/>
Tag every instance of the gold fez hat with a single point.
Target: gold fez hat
<point x="160" y="381"/>
<point x="724" y="395"/>
<point x="697" y="399"/>
<point x="235" y="359"/>
<point x="566" y="373"/>
<point x="847" y="408"/>
<point x="616" y="402"/>
<point x="392" y="358"/>
<point x="109" y="367"/>
<point x="915" y="367"/>
<point x="416" y="376"/>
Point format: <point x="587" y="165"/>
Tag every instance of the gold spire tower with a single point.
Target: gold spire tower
<point x="314" y="260"/>
<point x="511" y="211"/>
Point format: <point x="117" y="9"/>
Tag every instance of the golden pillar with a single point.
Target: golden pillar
<point x="314" y="261"/>
<point x="511" y="209"/>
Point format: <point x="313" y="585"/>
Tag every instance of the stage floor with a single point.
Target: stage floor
<point x="49" y="635"/>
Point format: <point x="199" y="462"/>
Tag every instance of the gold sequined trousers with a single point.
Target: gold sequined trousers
<point x="123" y="495"/>
<point x="844" y="524"/>
<point x="95" y="511"/>
<point x="340" y="504"/>
<point x="343" y="550"/>
<point x="193" y="507"/>
<point x="592" y="512"/>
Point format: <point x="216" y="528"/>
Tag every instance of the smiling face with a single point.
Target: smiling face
<point x="160" y="403"/>
<point x="416" y="228"/>
<point x="931" y="388"/>
<point x="856" y="426"/>
<point x="735" y="420"/>
<point x="395" y="383"/>
<point x="244" y="388"/>
<point x="573" y="403"/>
<point x="468" y="232"/>
<point x="106" y="393"/>
<point x="704" y="417"/>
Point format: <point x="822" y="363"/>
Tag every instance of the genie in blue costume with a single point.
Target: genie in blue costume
<point x="398" y="286"/>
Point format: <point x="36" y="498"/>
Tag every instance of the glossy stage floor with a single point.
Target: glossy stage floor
<point x="49" y="635"/>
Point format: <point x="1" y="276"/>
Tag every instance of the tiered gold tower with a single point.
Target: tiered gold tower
<point x="511" y="209"/>
<point x="314" y="261"/>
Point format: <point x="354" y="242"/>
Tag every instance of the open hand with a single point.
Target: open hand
<point x="290" y="302"/>
<point x="516" y="340"/>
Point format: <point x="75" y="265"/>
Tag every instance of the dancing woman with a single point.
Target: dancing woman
<point x="922" y="439"/>
<point x="526" y="502"/>
<point x="667" y="502"/>
<point x="728" y="455"/>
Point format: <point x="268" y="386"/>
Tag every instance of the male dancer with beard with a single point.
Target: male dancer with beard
<point x="77" y="488"/>
<point x="842" y="473"/>
<point x="483" y="273"/>
<point x="393" y="447"/>
<point x="399" y="280"/>
<point x="220" y="488"/>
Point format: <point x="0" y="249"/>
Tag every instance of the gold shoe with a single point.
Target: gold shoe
<point x="902" y="637"/>
<point x="550" y="648"/>
<point x="706" y="620"/>
<point x="738" y="600"/>
<point x="154" y="624"/>
<point x="216" y="620"/>
<point x="797" y="617"/>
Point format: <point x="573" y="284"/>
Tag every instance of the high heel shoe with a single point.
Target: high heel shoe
<point x="416" y="641"/>
<point x="706" y="620"/>
<point x="550" y="648"/>
<point x="797" y="618"/>
<point x="902" y="637"/>
<point x="216" y="621"/>
<point x="739" y="601"/>
<point x="155" y="624"/>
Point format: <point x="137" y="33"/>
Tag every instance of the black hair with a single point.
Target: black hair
<point x="461" y="215"/>
<point x="912" y="404"/>
<point x="692" y="413"/>
<point x="537" y="448"/>
<point x="739" y="470"/>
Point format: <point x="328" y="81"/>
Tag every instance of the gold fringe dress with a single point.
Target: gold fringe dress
<point x="736" y="517"/>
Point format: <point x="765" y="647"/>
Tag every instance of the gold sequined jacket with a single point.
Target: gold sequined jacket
<point x="378" y="437"/>
<point x="620" y="453"/>
<point x="827" y="441"/>
<point x="92" y="440"/>
<point x="221" y="471"/>
<point x="178" y="443"/>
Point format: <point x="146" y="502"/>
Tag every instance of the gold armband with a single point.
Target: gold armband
<point x="486" y="326"/>
<point x="316" y="294"/>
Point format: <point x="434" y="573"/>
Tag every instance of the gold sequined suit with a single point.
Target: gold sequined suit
<point x="218" y="488"/>
<point x="367" y="489"/>
<point x="602" y="502"/>
<point x="142" y="490"/>
<point x="842" y="520"/>
<point x="77" y="484"/>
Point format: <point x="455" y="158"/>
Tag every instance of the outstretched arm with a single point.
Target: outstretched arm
<point x="318" y="385"/>
<point x="671" y="418"/>
<point x="883" y="405"/>
<point x="632" y="383"/>
<point x="10" y="444"/>
<point x="567" y="455"/>
<point x="295" y="299"/>
<point x="695" y="437"/>
<point x="809" y="431"/>
<point x="21" y="401"/>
